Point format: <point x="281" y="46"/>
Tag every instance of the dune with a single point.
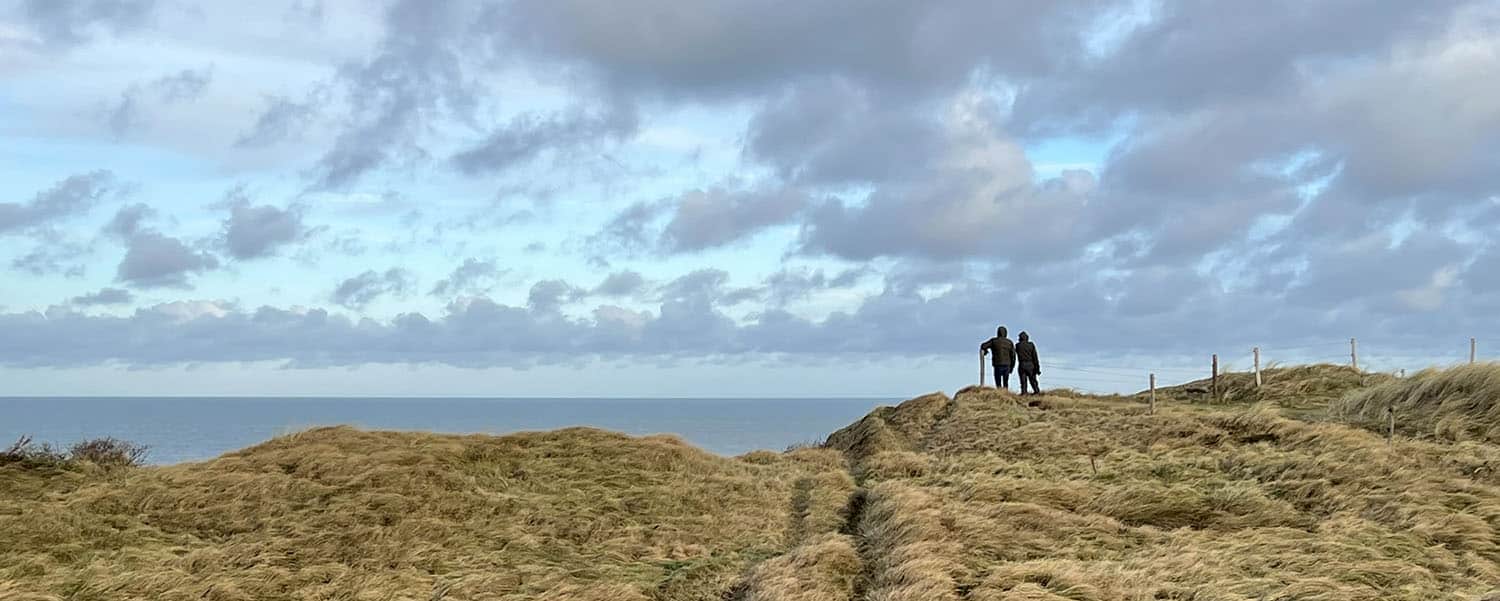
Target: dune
<point x="982" y="495"/>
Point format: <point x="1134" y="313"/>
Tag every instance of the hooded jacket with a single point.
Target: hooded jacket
<point x="1002" y="350"/>
<point x="1026" y="358"/>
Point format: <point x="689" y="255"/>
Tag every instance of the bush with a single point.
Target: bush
<point x="104" y="452"/>
<point x="30" y="454"/>
<point x="108" y="452"/>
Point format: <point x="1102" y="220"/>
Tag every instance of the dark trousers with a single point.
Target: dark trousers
<point x="1002" y="376"/>
<point x="1029" y="377"/>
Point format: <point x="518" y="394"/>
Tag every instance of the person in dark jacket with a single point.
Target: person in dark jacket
<point x="1002" y="356"/>
<point x="1028" y="366"/>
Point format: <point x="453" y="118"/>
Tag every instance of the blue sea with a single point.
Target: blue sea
<point x="179" y="429"/>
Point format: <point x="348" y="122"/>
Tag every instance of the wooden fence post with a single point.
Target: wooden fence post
<point x="1354" y="354"/>
<point x="981" y="368"/>
<point x="1473" y="350"/>
<point x="1390" y="433"/>
<point x="1152" y="410"/>
<point x="1216" y="378"/>
<point x="1256" y="350"/>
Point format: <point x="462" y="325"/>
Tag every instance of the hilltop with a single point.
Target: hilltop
<point x="975" y="496"/>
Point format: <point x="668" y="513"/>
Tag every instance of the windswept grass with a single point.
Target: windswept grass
<point x="1087" y="500"/>
<point x="338" y="513"/>
<point x="1296" y="387"/>
<point x="1460" y="403"/>
<point x="981" y="496"/>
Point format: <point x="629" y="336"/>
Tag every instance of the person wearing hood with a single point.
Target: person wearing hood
<point x="1028" y="366"/>
<point x="1002" y="356"/>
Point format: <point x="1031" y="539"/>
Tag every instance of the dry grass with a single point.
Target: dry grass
<point x="1297" y="387"/>
<point x="1460" y="403"/>
<point x="343" y="514"/>
<point x="983" y="496"/>
<point x="1085" y="499"/>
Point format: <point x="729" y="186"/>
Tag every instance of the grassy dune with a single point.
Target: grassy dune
<point x="1462" y="403"/>
<point x="338" y="513"/>
<point x="979" y="496"/>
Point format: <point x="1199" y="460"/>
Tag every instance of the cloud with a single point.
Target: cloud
<point x="70" y="197"/>
<point x="283" y="119"/>
<point x="363" y="289"/>
<point x="73" y="22"/>
<point x="183" y="86"/>
<point x="725" y="48"/>
<point x="620" y="284"/>
<point x="529" y="135"/>
<point x="257" y="231"/>
<point x="980" y="198"/>
<point x="154" y="260"/>
<point x="472" y="277"/>
<point x="703" y="219"/>
<point x="417" y="75"/>
<point x="104" y="296"/>
<point x="129" y="220"/>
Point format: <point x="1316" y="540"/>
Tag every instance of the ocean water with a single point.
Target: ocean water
<point x="181" y="429"/>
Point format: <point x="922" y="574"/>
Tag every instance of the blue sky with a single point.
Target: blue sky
<point x="734" y="198"/>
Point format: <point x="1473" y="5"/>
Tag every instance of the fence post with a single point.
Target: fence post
<point x="1354" y="354"/>
<point x="1473" y="350"/>
<point x="1256" y="350"/>
<point x="1216" y="378"/>
<point x="1390" y="433"/>
<point x="981" y="368"/>
<point x="1152" y="410"/>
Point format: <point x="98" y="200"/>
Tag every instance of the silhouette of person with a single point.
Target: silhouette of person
<point x="1002" y="356"/>
<point x="1028" y="366"/>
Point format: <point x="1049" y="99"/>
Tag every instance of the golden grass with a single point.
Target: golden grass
<point x="338" y="513"/>
<point x="1460" y="403"/>
<point x="1297" y="387"/>
<point x="1087" y="500"/>
<point x="981" y="496"/>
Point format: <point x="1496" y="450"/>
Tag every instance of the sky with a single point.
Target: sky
<point x="735" y="197"/>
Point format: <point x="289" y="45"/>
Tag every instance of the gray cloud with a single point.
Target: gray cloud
<point x="129" y="220"/>
<point x="72" y="22"/>
<point x="104" y="296"/>
<point x="154" y="260"/>
<point x="363" y="289"/>
<point x="416" y="75"/>
<point x="283" y="119"/>
<point x="548" y="296"/>
<point x="724" y="47"/>
<point x="163" y="92"/>
<point x="621" y="284"/>
<point x="703" y="219"/>
<point x="472" y="277"/>
<point x="68" y="198"/>
<point x="256" y="231"/>
<point x="529" y="135"/>
<point x="831" y="131"/>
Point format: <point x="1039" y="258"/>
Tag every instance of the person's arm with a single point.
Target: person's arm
<point x="1038" y="360"/>
<point x="984" y="348"/>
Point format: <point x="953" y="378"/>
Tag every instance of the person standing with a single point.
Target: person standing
<point x="1028" y="366"/>
<point x="1002" y="356"/>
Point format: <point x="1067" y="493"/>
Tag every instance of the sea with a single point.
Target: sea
<point x="181" y="429"/>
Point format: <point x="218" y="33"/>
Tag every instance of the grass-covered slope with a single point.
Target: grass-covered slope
<point x="338" y="513"/>
<point x="981" y="497"/>
<point x="1460" y="403"/>
<point x="1296" y="387"/>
